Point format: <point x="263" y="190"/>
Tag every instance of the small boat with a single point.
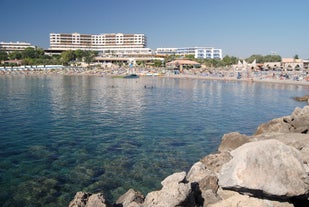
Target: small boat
<point x="131" y="76"/>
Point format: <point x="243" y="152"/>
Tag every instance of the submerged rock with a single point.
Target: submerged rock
<point x="302" y="98"/>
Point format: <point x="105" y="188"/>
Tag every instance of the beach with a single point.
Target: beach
<point x="293" y="77"/>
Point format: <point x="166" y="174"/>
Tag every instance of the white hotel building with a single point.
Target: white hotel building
<point x="14" y="46"/>
<point x="198" y="52"/>
<point x="116" y="44"/>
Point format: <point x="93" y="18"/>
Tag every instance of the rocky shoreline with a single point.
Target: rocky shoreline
<point x="269" y="168"/>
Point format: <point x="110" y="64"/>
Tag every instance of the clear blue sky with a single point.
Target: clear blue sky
<point x="239" y="27"/>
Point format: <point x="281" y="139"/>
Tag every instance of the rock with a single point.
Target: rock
<point x="232" y="140"/>
<point x="204" y="177"/>
<point x="175" y="192"/>
<point x="96" y="200"/>
<point x="297" y="122"/>
<point x="297" y="140"/>
<point x="300" y="120"/>
<point x="83" y="199"/>
<point x="80" y="199"/>
<point x="130" y="198"/>
<point x="214" y="162"/>
<point x="275" y="125"/>
<point x="268" y="167"/>
<point x="206" y="184"/>
<point x="302" y="98"/>
<point x="238" y="200"/>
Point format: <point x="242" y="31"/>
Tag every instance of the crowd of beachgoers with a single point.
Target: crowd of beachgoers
<point x="284" y="76"/>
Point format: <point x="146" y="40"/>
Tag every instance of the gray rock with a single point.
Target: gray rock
<point x="207" y="184"/>
<point x="80" y="199"/>
<point x="204" y="177"/>
<point x="269" y="166"/>
<point x="297" y="140"/>
<point x="214" y="162"/>
<point x="297" y="122"/>
<point x="276" y="125"/>
<point x="232" y="140"/>
<point x="300" y="120"/>
<point x="96" y="200"/>
<point x="83" y="199"/>
<point x="238" y="200"/>
<point x="130" y="198"/>
<point x="175" y="192"/>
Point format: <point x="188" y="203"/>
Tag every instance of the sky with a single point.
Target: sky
<point x="240" y="28"/>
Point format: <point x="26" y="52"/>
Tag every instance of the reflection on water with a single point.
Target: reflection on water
<point x="62" y="134"/>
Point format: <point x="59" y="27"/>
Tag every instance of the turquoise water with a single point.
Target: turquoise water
<point x="63" y="134"/>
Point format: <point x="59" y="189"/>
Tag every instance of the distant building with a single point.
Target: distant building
<point x="292" y="64"/>
<point x="14" y="46"/>
<point x="198" y="52"/>
<point x="116" y="44"/>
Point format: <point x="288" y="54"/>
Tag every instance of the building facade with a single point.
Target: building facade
<point x="114" y="43"/>
<point x="14" y="46"/>
<point x="198" y="52"/>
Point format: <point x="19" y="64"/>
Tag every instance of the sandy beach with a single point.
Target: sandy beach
<point x="267" y="77"/>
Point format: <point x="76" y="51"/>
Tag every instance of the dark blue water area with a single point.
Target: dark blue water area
<point x="63" y="134"/>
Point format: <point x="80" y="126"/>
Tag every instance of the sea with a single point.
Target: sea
<point x="61" y="134"/>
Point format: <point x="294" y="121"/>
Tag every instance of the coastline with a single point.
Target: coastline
<point x="267" y="168"/>
<point x="110" y="72"/>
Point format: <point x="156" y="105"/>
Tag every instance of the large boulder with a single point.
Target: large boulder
<point x="238" y="200"/>
<point x="268" y="167"/>
<point x="297" y="140"/>
<point x="176" y="191"/>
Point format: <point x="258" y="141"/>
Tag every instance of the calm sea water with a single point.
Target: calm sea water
<point x="63" y="134"/>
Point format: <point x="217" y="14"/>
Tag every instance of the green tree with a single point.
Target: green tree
<point x="15" y="55"/>
<point x="258" y="58"/>
<point x="3" y="56"/>
<point x="67" y="56"/>
<point x="229" y="60"/>
<point x="157" y="63"/>
<point x="89" y="56"/>
<point x="296" y="57"/>
<point x="29" y="52"/>
<point x="272" y="58"/>
<point x="79" y="54"/>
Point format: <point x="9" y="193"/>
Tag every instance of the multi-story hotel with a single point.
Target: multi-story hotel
<point x="14" y="46"/>
<point x="198" y="52"/>
<point x="103" y="43"/>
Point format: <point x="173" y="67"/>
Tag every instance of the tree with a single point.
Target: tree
<point x="79" y="54"/>
<point x="29" y="52"/>
<point x="89" y="56"/>
<point x="67" y="56"/>
<point x="15" y="55"/>
<point x="296" y="57"/>
<point x="3" y="55"/>
<point x="258" y="58"/>
<point x="227" y="60"/>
